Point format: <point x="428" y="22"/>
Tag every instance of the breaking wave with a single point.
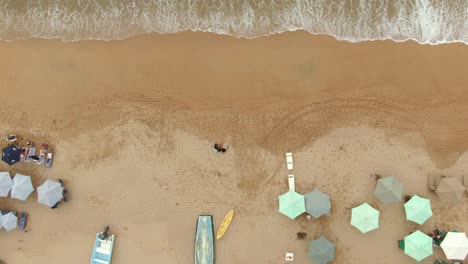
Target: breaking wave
<point x="425" y="21"/>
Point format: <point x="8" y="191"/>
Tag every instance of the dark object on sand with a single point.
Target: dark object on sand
<point x="64" y="191"/>
<point x="407" y="198"/>
<point x="219" y="147"/>
<point x="401" y="244"/>
<point x="438" y="236"/>
<point x="301" y="235"/>
<point x="438" y="261"/>
<point x="105" y="234"/>
<point x="11" y="154"/>
<point x="22" y="221"/>
<point x="11" y="138"/>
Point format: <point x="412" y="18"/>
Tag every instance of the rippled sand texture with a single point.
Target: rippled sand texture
<point x="425" y="21"/>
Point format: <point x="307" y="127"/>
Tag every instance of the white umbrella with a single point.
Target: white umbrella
<point x="50" y="192"/>
<point x="22" y="187"/>
<point x="455" y="245"/>
<point x="5" y="183"/>
<point x="450" y="189"/>
<point x="9" y="221"/>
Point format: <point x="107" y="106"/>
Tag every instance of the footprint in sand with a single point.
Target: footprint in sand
<point x="97" y="202"/>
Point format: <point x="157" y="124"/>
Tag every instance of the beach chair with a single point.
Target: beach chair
<point x="289" y="257"/>
<point x="289" y="161"/>
<point x="291" y="183"/>
<point x="31" y="154"/>
<point x="42" y="153"/>
<point x="49" y="158"/>
<point x="22" y="221"/>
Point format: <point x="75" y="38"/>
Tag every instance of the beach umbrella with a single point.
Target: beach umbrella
<point x="321" y="251"/>
<point x="5" y="183"/>
<point x="50" y="192"/>
<point x="418" y="245"/>
<point x="365" y="218"/>
<point x="450" y="189"/>
<point x="22" y="187"/>
<point x="455" y="245"/>
<point x="418" y="209"/>
<point x="291" y="204"/>
<point x="9" y="221"/>
<point x="389" y="190"/>
<point x="317" y="203"/>
<point x="11" y="154"/>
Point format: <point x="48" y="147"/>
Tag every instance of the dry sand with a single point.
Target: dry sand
<point x="132" y="122"/>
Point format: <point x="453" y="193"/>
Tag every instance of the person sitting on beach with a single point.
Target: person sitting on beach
<point x="219" y="148"/>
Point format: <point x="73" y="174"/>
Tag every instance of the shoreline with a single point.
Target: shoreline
<point x="198" y="31"/>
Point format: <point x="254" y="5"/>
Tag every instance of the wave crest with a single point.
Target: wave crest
<point x="425" y="21"/>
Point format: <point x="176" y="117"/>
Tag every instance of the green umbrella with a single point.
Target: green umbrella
<point x="389" y="190"/>
<point x="418" y="209"/>
<point x="321" y="251"/>
<point x="418" y="245"/>
<point x="291" y="204"/>
<point x="365" y="218"/>
<point x="317" y="203"/>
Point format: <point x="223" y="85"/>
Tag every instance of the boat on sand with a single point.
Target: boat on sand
<point x="204" y="243"/>
<point x="225" y="224"/>
<point x="102" y="251"/>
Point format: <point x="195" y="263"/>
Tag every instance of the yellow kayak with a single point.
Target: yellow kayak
<point x="225" y="224"/>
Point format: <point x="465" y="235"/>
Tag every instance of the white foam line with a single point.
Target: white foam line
<point x="423" y="21"/>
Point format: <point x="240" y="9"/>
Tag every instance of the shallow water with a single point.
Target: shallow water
<point x="426" y="21"/>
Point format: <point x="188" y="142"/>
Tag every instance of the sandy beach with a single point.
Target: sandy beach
<point x="132" y="123"/>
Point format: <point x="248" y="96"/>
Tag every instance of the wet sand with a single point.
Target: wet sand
<point x="132" y="121"/>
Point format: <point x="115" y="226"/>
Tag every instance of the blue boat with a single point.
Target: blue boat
<point x="102" y="251"/>
<point x="204" y="242"/>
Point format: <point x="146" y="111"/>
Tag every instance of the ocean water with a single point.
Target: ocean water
<point x="425" y="21"/>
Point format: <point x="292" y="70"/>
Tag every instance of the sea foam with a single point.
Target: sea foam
<point x="425" y="21"/>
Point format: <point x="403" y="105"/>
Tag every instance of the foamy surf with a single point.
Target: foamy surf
<point x="425" y="21"/>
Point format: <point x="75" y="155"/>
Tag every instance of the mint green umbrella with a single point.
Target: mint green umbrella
<point x="291" y="204"/>
<point x="389" y="190"/>
<point x="365" y="218"/>
<point x="418" y="245"/>
<point x="418" y="209"/>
